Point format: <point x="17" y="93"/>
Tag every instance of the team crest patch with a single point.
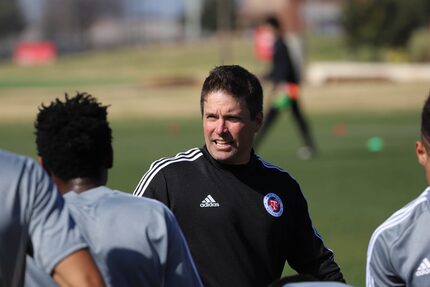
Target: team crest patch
<point x="273" y="204"/>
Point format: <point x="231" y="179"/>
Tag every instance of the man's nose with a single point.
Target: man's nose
<point x="221" y="127"/>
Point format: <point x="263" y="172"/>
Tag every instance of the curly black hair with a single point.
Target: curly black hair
<point x="236" y="81"/>
<point x="74" y="137"/>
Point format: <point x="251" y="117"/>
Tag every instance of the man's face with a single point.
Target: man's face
<point x="228" y="128"/>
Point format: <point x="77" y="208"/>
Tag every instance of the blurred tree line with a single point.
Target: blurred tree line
<point x="379" y="24"/>
<point x="216" y="11"/>
<point x="59" y="15"/>
<point x="60" y="18"/>
<point x="73" y="17"/>
<point x="67" y="22"/>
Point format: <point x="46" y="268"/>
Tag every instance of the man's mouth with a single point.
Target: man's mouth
<point x="222" y="143"/>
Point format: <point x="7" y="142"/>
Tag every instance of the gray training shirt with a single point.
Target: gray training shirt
<point x="135" y="241"/>
<point x="399" y="250"/>
<point x="35" y="277"/>
<point x="31" y="210"/>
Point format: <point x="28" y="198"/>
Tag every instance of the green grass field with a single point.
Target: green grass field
<point x="350" y="190"/>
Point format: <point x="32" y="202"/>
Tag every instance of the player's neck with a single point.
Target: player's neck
<point x="78" y="184"/>
<point x="81" y="184"/>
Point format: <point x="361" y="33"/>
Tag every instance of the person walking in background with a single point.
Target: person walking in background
<point x="35" y="222"/>
<point x="134" y="242"/>
<point x="242" y="216"/>
<point x="286" y="88"/>
<point x="399" y="249"/>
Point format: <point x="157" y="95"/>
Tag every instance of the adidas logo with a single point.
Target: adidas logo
<point x="209" y="201"/>
<point x="424" y="268"/>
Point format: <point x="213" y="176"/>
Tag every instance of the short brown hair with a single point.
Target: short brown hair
<point x="236" y="81"/>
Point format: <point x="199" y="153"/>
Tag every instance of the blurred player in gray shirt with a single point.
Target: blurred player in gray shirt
<point x="34" y="221"/>
<point x="399" y="250"/>
<point x="134" y="242"/>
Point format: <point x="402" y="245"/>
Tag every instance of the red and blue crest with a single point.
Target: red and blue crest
<point x="273" y="204"/>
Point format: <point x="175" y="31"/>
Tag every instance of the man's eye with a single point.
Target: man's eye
<point x="233" y="119"/>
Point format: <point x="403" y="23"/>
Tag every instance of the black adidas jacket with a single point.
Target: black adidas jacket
<point x="241" y="222"/>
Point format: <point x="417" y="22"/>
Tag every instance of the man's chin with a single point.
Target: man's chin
<point x="221" y="154"/>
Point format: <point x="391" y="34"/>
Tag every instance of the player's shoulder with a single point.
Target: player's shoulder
<point x="9" y="160"/>
<point x="183" y="162"/>
<point x="141" y="204"/>
<point x="273" y="170"/>
<point x="22" y="169"/>
<point x="144" y="207"/>
<point x="9" y="156"/>
<point x="399" y="223"/>
<point x="181" y="158"/>
<point x="111" y="201"/>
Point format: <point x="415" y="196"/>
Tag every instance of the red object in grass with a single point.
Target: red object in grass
<point x="339" y="129"/>
<point x="31" y="53"/>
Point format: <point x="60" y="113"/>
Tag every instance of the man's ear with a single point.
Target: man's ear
<point x="421" y="152"/>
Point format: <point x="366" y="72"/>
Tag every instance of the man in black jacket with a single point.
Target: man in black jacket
<point x="286" y="88"/>
<point x="242" y="216"/>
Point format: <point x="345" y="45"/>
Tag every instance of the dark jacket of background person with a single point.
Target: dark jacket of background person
<point x="282" y="67"/>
